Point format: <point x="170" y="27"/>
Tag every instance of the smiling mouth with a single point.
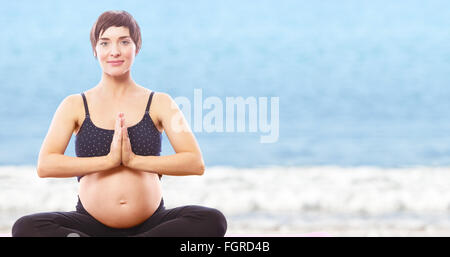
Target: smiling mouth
<point x="116" y="62"/>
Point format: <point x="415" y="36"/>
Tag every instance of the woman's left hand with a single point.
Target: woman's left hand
<point x="127" y="153"/>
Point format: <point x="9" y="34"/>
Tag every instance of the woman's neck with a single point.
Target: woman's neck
<point x="116" y="87"/>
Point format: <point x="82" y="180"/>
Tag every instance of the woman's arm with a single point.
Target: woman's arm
<point x="187" y="159"/>
<point x="62" y="166"/>
<point x="179" y="164"/>
<point x="52" y="162"/>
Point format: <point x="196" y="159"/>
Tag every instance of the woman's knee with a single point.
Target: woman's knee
<point x="217" y="222"/>
<point x="24" y="227"/>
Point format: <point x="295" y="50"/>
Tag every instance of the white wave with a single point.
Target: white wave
<point x="286" y="199"/>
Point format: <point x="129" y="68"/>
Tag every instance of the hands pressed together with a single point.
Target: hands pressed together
<point x="120" y="152"/>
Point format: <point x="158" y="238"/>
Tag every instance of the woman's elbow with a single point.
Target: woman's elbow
<point x="41" y="172"/>
<point x="200" y="167"/>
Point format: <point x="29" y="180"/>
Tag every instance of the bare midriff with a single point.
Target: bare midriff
<point x="120" y="197"/>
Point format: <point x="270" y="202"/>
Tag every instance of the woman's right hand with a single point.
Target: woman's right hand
<point x="115" y="153"/>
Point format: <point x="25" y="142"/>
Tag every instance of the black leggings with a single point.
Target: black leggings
<point x="184" y="221"/>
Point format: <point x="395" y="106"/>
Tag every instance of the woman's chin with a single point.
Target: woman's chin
<point x="116" y="73"/>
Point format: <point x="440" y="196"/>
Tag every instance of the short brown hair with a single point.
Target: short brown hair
<point x="116" y="19"/>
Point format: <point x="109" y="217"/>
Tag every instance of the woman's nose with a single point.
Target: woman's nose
<point x="115" y="51"/>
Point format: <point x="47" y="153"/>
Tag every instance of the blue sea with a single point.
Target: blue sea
<point x="360" y="83"/>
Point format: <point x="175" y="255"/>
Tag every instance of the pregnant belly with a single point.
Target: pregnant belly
<point x="120" y="197"/>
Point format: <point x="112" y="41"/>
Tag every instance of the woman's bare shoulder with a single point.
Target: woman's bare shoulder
<point x="161" y="101"/>
<point x="74" y="101"/>
<point x="158" y="107"/>
<point x="74" y="107"/>
<point x="71" y="101"/>
<point x="161" y="97"/>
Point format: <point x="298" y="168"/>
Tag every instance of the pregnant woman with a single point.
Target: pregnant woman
<point x="118" y="126"/>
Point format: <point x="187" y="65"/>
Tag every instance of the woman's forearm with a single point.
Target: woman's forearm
<point x="62" y="166"/>
<point x="179" y="164"/>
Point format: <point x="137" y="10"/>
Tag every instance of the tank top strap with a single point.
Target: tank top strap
<point x="149" y="101"/>
<point x="85" y="105"/>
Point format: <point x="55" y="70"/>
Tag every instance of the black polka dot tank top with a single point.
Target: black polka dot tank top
<point x="92" y="141"/>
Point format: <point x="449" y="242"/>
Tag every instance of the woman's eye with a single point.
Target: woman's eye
<point x="124" y="42"/>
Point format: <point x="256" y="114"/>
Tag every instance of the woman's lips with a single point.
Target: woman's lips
<point x="115" y="63"/>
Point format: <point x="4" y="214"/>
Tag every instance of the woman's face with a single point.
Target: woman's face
<point x="115" y="51"/>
